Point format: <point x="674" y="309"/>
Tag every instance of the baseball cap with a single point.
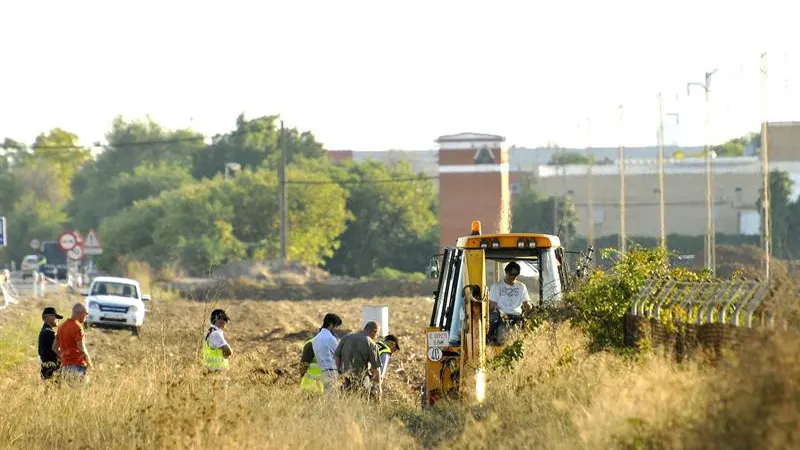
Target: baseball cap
<point x="392" y="338"/>
<point x="51" y="310"/>
<point x="219" y="314"/>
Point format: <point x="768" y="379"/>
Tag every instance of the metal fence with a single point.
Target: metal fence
<point x="685" y="316"/>
<point x="739" y="303"/>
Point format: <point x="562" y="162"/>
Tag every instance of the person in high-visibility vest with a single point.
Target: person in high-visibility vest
<point x="318" y="373"/>
<point x="386" y="348"/>
<point x="216" y="350"/>
<point x="312" y="373"/>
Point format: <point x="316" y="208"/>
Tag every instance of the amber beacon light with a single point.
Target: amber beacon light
<point x="476" y="227"/>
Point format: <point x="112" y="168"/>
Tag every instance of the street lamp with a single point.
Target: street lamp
<point x="766" y="233"/>
<point x="621" y="157"/>
<point x="662" y="236"/>
<point x="710" y="238"/>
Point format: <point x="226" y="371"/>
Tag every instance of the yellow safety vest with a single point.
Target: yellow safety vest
<point x="213" y="357"/>
<point x="312" y="379"/>
<point x="383" y="348"/>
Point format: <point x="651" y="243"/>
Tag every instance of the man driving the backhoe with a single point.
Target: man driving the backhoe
<point x="508" y="300"/>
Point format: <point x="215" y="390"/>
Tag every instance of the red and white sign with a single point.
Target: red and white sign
<point x="76" y="253"/>
<point x="66" y="241"/>
<point x="92" y="245"/>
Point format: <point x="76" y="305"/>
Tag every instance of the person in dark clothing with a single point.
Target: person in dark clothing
<point x="48" y="358"/>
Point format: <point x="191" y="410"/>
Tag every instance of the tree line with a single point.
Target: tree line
<point x="161" y="196"/>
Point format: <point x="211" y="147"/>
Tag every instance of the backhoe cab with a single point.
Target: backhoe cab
<point x="457" y="341"/>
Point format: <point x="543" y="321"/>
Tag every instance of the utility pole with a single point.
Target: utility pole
<point x="589" y="186"/>
<point x="282" y="203"/>
<point x="622" y="234"/>
<point x="662" y="241"/>
<point x="711" y="263"/>
<point x="766" y="232"/>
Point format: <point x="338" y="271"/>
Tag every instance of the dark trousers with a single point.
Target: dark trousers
<point x="48" y="370"/>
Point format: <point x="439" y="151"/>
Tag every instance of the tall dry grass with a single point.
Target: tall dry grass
<point x="149" y="392"/>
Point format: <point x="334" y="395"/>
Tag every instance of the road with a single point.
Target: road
<point x="24" y="288"/>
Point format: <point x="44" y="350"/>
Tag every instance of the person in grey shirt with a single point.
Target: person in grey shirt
<point x="357" y="360"/>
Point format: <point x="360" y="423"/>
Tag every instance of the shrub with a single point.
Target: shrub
<point x="388" y="273"/>
<point x="600" y="302"/>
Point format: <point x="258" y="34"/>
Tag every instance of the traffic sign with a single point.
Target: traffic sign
<point x="75" y="253"/>
<point x="3" y="234"/>
<point x="435" y="354"/>
<point x="66" y="241"/>
<point x="92" y="245"/>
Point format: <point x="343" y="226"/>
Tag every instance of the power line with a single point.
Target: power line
<point x="387" y="180"/>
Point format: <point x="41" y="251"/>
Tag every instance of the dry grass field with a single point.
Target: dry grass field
<point x="149" y="392"/>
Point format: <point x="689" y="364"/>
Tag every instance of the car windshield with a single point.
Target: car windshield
<point x="112" y="288"/>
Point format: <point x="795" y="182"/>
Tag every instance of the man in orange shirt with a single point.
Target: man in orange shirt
<point x="71" y="346"/>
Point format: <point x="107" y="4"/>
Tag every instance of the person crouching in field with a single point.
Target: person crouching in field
<point x="50" y="362"/>
<point x="386" y="348"/>
<point x="216" y="350"/>
<point x="357" y="360"/>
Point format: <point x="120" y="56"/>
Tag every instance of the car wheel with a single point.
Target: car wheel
<point x="135" y="330"/>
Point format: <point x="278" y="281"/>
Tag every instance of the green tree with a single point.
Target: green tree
<point x="202" y="225"/>
<point x="133" y="144"/>
<point x="780" y="191"/>
<point x="254" y="143"/>
<point x="31" y="218"/>
<point x="531" y="212"/>
<point x="60" y="148"/>
<point x="567" y="158"/>
<point x="48" y="166"/>
<point x="8" y="187"/>
<point x="394" y="225"/>
<point x="736" y="146"/>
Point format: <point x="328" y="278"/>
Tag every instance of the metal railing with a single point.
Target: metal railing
<point x="739" y="303"/>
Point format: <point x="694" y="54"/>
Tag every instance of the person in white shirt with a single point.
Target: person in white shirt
<point x="324" y="346"/>
<point x="508" y="298"/>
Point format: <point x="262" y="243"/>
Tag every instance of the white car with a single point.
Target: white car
<point x="116" y="302"/>
<point x="29" y="266"/>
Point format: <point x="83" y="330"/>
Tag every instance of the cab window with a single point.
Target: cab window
<point x="118" y="289"/>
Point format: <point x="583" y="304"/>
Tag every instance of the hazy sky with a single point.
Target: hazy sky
<point x="371" y="75"/>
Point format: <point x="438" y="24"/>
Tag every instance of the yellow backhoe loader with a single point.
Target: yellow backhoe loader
<point x="458" y="344"/>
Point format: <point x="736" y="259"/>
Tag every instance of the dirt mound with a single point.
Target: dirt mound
<point x="243" y="288"/>
<point x="746" y="261"/>
<point x="274" y="273"/>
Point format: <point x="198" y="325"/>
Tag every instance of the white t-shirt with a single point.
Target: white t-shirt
<point x="509" y="298"/>
<point x="324" y="345"/>
<point x="216" y="339"/>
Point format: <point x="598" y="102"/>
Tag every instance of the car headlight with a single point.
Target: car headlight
<point x="134" y="309"/>
<point x="93" y="305"/>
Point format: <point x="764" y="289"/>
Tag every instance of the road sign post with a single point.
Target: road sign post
<point x="67" y="241"/>
<point x="76" y="253"/>
<point x="3" y="234"/>
<point x="91" y="244"/>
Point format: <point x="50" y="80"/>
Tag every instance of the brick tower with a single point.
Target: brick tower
<point x="473" y="185"/>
